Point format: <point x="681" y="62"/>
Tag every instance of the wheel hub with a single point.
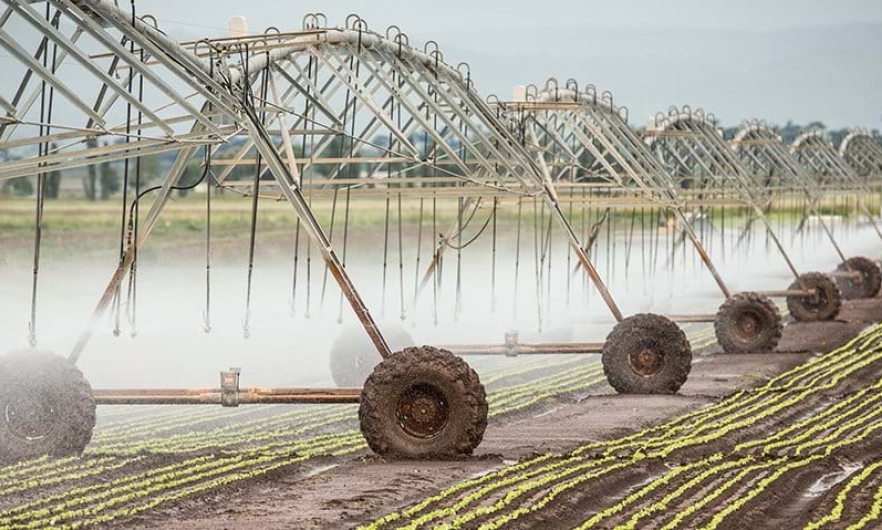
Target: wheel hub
<point x="423" y="411"/>
<point x="817" y="301"/>
<point x="859" y="282"/>
<point x="748" y="326"/>
<point x="30" y="418"/>
<point x="854" y="283"/>
<point x="646" y="362"/>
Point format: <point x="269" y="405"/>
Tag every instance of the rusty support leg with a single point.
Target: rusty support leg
<point x="128" y="257"/>
<point x="592" y="238"/>
<point x="553" y="202"/>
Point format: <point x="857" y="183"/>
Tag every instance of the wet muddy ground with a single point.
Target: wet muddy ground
<point x="353" y="490"/>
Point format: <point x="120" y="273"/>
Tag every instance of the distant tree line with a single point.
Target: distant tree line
<point x="100" y="182"/>
<point x="105" y="180"/>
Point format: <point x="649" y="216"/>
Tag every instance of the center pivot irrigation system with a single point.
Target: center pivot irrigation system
<point x="586" y="138"/>
<point x="815" y="172"/>
<point x="323" y="112"/>
<point x="863" y="153"/>
<point x="692" y="146"/>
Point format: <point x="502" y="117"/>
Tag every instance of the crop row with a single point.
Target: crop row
<point x="842" y="436"/>
<point x="839" y="438"/>
<point x="81" y="510"/>
<point x="240" y="450"/>
<point x="492" y="493"/>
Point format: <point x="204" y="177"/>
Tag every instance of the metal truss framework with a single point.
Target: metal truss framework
<point x="760" y="148"/>
<point x="863" y="153"/>
<point x="692" y="146"/>
<point x="584" y="139"/>
<point x="814" y="150"/>
<point x="313" y="111"/>
<point x="347" y="97"/>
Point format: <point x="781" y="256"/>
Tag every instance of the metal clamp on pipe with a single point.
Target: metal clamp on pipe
<point x="230" y="387"/>
<point x="511" y="344"/>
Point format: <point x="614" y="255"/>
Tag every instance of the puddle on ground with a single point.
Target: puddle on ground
<point x="547" y="412"/>
<point x="616" y="498"/>
<point x="319" y="470"/>
<point x="826" y="482"/>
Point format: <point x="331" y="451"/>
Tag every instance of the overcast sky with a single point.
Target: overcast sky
<point x="442" y="18"/>
<point x="779" y="59"/>
<point x="803" y="60"/>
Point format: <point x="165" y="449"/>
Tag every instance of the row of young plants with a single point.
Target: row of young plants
<point x="739" y="413"/>
<point x="46" y="466"/>
<point x="745" y="405"/>
<point x="174" y="419"/>
<point x="872" y="515"/>
<point x="720" y="488"/>
<point x="94" y="468"/>
<point x="264" y="431"/>
<point x="77" y="510"/>
<point x="808" y="427"/>
<point x="242" y="450"/>
<point x="750" y="406"/>
<point x="101" y="460"/>
<point x="221" y="481"/>
<point x="765" y="475"/>
<point x="29" y="510"/>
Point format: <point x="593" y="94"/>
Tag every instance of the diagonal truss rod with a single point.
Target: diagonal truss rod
<point x="761" y="148"/>
<point x="683" y="133"/>
<point x="818" y="155"/>
<point x="559" y="116"/>
<point x="429" y="97"/>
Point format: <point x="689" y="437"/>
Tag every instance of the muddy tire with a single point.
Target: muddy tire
<point x="824" y="305"/>
<point x="867" y="286"/>
<point x="353" y="355"/>
<point x="46" y="407"/>
<point x="647" y="354"/>
<point x="748" y="323"/>
<point x="423" y="402"/>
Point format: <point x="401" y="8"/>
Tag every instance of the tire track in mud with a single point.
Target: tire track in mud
<point x="718" y="467"/>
